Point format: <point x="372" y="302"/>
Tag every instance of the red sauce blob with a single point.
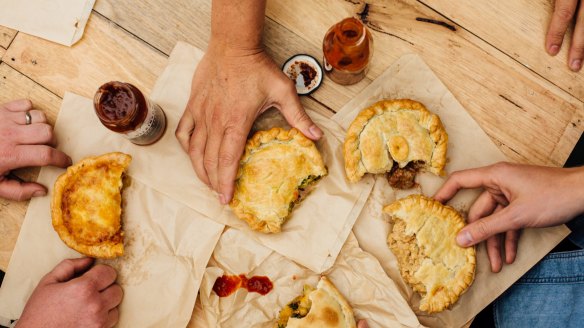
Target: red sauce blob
<point x="227" y="284"/>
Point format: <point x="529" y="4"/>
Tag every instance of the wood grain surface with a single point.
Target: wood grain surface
<point x="529" y="103"/>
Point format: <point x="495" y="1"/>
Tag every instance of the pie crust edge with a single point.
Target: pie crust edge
<point x="254" y="143"/>
<point x="443" y="299"/>
<point x="105" y="249"/>
<point x="429" y="120"/>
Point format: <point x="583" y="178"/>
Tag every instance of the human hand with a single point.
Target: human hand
<point x="229" y="91"/>
<point x="74" y="294"/>
<point x="566" y="11"/>
<point x="362" y="324"/>
<point x="516" y="196"/>
<point x="25" y="145"/>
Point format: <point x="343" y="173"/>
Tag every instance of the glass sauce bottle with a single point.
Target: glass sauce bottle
<point x="122" y="108"/>
<point x="347" y="47"/>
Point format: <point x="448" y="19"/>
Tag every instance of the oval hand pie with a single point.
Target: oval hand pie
<point x="423" y="239"/>
<point x="391" y="132"/>
<point x="87" y="205"/>
<point x="277" y="167"/>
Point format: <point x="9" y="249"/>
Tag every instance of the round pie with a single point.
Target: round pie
<point x="423" y="239"/>
<point x="276" y="171"/>
<point x="397" y="136"/>
<point x="87" y="205"/>
<point x="323" y="307"/>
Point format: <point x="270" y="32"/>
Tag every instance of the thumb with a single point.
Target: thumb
<point x="293" y="112"/>
<point x="68" y="269"/>
<point x="486" y="227"/>
<point x="19" y="191"/>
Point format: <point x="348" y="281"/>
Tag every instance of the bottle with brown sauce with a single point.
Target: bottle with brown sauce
<point x="122" y="108"/>
<point x="347" y="47"/>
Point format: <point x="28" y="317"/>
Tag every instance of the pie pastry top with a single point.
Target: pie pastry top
<point x="276" y="167"/>
<point x="87" y="205"/>
<point x="399" y="130"/>
<point x="423" y="238"/>
<point x="322" y="307"/>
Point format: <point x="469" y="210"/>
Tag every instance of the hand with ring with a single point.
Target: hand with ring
<point x="26" y="140"/>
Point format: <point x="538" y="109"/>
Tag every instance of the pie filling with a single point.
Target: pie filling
<point x="404" y="177"/>
<point x="304" y="188"/>
<point x="297" y="308"/>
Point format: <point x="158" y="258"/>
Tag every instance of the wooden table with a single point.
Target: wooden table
<point x="529" y="103"/>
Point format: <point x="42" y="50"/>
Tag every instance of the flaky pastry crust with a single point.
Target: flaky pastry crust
<point x="400" y="130"/>
<point x="276" y="166"/>
<point x="423" y="239"/>
<point x="86" y="206"/>
<point x="328" y="309"/>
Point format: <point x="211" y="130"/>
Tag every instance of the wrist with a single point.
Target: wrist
<point x="221" y="47"/>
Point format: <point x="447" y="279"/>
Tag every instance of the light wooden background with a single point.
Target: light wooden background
<point x="529" y="103"/>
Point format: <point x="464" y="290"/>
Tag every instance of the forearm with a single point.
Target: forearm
<point x="237" y="26"/>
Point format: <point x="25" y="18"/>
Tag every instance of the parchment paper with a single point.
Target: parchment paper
<point x="167" y="243"/>
<point x="356" y="274"/>
<point x="468" y="146"/>
<point x="61" y="21"/>
<point x="315" y="232"/>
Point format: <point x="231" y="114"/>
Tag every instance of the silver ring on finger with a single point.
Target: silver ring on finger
<point x="28" y="118"/>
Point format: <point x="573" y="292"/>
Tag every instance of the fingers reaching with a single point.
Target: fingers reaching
<point x="294" y="113"/>
<point x="20" y="191"/>
<point x="511" y="241"/>
<point x="185" y="129"/>
<point x="576" y="53"/>
<point x="112" y="296"/>
<point x="102" y="276"/>
<point x="37" y="155"/>
<point x="229" y="155"/>
<point x="21" y="105"/>
<point x="472" y="178"/>
<point x="69" y="269"/>
<point x="486" y="227"/>
<point x="563" y="12"/>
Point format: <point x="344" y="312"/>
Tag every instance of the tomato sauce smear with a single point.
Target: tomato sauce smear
<point x="228" y="284"/>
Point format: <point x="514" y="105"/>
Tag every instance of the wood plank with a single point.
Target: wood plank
<point x="16" y="86"/>
<point x="6" y="36"/>
<point x="511" y="103"/>
<point x="106" y="53"/>
<point x="192" y="24"/>
<point x="518" y="28"/>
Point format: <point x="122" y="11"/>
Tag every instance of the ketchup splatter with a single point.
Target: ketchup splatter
<point x="227" y="284"/>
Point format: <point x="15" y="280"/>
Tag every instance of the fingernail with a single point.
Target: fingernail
<point x="554" y="48"/>
<point x="222" y="199"/>
<point x="576" y="65"/>
<point x="315" y="131"/>
<point x="39" y="193"/>
<point x="70" y="161"/>
<point x="464" y="239"/>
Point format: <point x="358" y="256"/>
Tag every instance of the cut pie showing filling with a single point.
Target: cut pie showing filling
<point x="423" y="239"/>
<point x="87" y="205"/>
<point x="321" y="307"/>
<point x="278" y="169"/>
<point x="396" y="136"/>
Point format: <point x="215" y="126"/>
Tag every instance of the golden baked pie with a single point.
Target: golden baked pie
<point x="87" y="205"/>
<point x="276" y="171"/>
<point x="423" y="239"/>
<point x="322" y="307"/>
<point x="396" y="136"/>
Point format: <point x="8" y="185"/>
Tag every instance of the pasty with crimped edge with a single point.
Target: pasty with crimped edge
<point x="323" y="307"/>
<point x="277" y="169"/>
<point x="87" y="205"/>
<point x="401" y="131"/>
<point x="423" y="239"/>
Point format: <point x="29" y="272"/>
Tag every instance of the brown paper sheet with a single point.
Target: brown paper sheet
<point x="167" y="243"/>
<point x="314" y="234"/>
<point x="61" y="21"/>
<point x="356" y="274"/>
<point x="468" y="147"/>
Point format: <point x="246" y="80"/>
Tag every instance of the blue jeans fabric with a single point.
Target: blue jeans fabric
<point x="551" y="294"/>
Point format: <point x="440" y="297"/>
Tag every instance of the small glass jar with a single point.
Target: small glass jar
<point x="347" y="48"/>
<point x="122" y="108"/>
